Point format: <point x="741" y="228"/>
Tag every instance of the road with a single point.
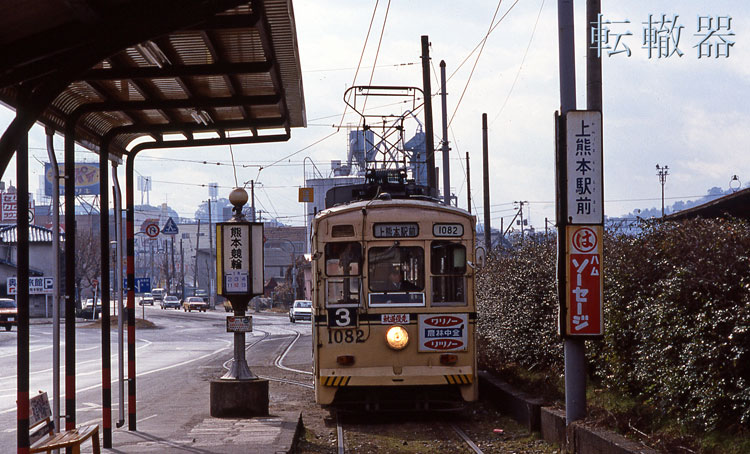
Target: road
<point x="185" y="351"/>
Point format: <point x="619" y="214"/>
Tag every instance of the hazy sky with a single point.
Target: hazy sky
<point x="686" y="112"/>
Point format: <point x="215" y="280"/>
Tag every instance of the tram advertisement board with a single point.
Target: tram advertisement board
<point x="240" y="324"/>
<point x="443" y="332"/>
<point x="239" y="258"/>
<point x="583" y="314"/>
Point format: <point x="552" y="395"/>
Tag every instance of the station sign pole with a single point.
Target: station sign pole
<point x="239" y="272"/>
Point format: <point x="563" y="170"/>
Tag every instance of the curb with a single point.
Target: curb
<point x="578" y="438"/>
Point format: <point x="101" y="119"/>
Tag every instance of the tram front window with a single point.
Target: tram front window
<point x="343" y="266"/>
<point x="448" y="267"/>
<point x="396" y="269"/>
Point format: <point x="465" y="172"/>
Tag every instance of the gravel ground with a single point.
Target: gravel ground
<point x="409" y="432"/>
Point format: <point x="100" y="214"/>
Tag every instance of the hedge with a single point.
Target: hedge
<point x="677" y="311"/>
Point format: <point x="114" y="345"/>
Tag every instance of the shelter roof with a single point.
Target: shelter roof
<point x="132" y="68"/>
<point x="736" y="205"/>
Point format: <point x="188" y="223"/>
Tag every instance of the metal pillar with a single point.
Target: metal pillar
<point x="446" y="149"/>
<point x="118" y="291"/>
<point x="211" y="282"/>
<point x="428" y="128"/>
<point x="486" y="180"/>
<point x="56" y="281"/>
<point x="22" y="292"/>
<point x="70" y="283"/>
<point x="129" y="220"/>
<point x="575" y="349"/>
<point x="105" y="286"/>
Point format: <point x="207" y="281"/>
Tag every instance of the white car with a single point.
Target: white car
<point x="300" y="310"/>
<point x="170" y="301"/>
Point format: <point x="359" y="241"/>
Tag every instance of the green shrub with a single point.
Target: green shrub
<point x="677" y="313"/>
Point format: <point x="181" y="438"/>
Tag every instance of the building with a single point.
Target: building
<point x="41" y="263"/>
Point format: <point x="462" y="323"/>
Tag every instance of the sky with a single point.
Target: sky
<point x="685" y="112"/>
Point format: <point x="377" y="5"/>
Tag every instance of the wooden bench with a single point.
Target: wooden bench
<point x="42" y="434"/>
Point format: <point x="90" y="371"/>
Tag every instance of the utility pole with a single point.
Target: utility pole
<point x="662" y="172"/>
<point x="468" y="184"/>
<point x="211" y="297"/>
<point x="520" y="211"/>
<point x="486" y="164"/>
<point x="182" y="268"/>
<point x="252" y="200"/>
<point x="446" y="149"/>
<point x="197" y="242"/>
<point x="428" y="128"/>
<point x="574" y="348"/>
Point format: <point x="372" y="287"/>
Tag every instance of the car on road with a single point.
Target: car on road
<point x="194" y="303"/>
<point x="8" y="313"/>
<point x="300" y="310"/>
<point x="170" y="301"/>
<point x="88" y="310"/>
<point x="158" y="294"/>
<point x="203" y="294"/>
<point x="147" y="298"/>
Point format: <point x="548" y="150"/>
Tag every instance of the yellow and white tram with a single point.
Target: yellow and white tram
<point x="393" y="300"/>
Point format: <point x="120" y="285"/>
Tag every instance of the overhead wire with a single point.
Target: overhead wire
<point x="377" y="51"/>
<point x="361" y="56"/>
<point x="520" y="67"/>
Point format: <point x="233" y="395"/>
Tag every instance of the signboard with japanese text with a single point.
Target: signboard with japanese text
<point x="583" y="314"/>
<point x="443" y="332"/>
<point x="240" y="324"/>
<point x="395" y="230"/>
<point x="584" y="167"/>
<point x="239" y="258"/>
<point x="306" y="195"/>
<point x="86" y="178"/>
<point x="9" y="208"/>
<point x="38" y="285"/>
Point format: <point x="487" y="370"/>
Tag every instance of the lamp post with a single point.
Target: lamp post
<point x="662" y="172"/>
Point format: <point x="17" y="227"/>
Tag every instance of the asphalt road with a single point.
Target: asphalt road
<point x="185" y="351"/>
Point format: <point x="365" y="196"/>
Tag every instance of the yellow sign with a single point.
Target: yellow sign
<point x="306" y="195"/>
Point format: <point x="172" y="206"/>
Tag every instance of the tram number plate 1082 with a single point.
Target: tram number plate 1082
<point x="342" y="317"/>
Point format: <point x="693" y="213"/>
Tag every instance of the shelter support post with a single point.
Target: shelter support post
<point x="129" y="220"/>
<point x="22" y="292"/>
<point x="70" y="275"/>
<point x="105" y="292"/>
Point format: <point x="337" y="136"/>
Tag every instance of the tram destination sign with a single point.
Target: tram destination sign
<point x="584" y="167"/>
<point x="395" y="230"/>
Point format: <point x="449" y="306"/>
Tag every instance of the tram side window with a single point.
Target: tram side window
<point x="396" y="269"/>
<point x="448" y="267"/>
<point x="343" y="267"/>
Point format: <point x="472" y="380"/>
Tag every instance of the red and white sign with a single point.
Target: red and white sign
<point x="9" y="208"/>
<point x="443" y="332"/>
<point x="584" y="308"/>
<point x="152" y="230"/>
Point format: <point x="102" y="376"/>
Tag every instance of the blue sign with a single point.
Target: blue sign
<point x="142" y="284"/>
<point x="170" y="228"/>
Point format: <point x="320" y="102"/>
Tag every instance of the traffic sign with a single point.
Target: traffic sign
<point x="152" y="230"/>
<point x="142" y="284"/>
<point x="170" y="228"/>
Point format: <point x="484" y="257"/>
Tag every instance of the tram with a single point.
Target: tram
<point x="393" y="297"/>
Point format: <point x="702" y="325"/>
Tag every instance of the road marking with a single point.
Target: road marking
<point x="145" y="419"/>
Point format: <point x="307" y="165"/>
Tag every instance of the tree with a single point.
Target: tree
<point x="88" y="259"/>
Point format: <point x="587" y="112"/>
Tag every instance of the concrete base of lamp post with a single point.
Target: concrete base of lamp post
<point x="239" y="398"/>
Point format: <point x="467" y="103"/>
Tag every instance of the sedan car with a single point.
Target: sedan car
<point x="192" y="303"/>
<point x="8" y="313"/>
<point x="300" y="310"/>
<point x="147" y="298"/>
<point x="170" y="301"/>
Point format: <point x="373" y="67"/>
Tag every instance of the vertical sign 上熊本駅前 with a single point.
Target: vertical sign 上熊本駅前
<point x="584" y="315"/>
<point x="584" y="167"/>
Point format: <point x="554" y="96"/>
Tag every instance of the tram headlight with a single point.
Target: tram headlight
<point x="397" y="337"/>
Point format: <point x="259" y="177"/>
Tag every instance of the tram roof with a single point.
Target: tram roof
<point x="135" y="68"/>
<point x="393" y="203"/>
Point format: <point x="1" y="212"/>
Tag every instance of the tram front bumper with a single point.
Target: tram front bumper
<point x="397" y="376"/>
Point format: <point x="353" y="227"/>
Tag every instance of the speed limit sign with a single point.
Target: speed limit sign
<point x="152" y="230"/>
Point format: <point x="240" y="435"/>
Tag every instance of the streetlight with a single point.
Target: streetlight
<point x="662" y="172"/>
<point x="735" y="183"/>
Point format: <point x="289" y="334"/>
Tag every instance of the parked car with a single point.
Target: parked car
<point x="147" y="298"/>
<point x="300" y="310"/>
<point x="88" y="310"/>
<point x="170" y="301"/>
<point x="8" y="313"/>
<point x="192" y="303"/>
